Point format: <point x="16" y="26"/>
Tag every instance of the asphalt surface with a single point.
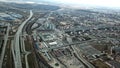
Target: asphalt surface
<point x="17" y="56"/>
<point x="4" y="46"/>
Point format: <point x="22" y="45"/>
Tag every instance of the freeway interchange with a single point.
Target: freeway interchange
<point x="47" y="43"/>
<point x="16" y="46"/>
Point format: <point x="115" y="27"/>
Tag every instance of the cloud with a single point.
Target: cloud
<point x="104" y="3"/>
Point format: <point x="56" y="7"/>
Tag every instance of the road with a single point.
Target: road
<point x="64" y="45"/>
<point x="4" y="45"/>
<point x="81" y="58"/>
<point x="26" y="53"/>
<point x="17" y="56"/>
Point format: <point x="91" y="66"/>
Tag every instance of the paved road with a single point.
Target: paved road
<point x="24" y="51"/>
<point x="64" y="45"/>
<point x="82" y="59"/>
<point x="4" y="46"/>
<point x="17" y="57"/>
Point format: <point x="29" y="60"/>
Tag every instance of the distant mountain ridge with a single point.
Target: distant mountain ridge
<point x="29" y="6"/>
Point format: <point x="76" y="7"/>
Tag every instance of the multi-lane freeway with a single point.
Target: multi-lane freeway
<point x="16" y="46"/>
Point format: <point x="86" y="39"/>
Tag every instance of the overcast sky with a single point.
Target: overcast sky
<point x="103" y="3"/>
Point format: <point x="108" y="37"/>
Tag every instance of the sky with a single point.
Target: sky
<point x="102" y="3"/>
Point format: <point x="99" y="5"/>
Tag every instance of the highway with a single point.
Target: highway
<point x="16" y="45"/>
<point x="81" y="58"/>
<point x="4" y="45"/>
<point x="64" y="45"/>
<point x="26" y="53"/>
<point x="75" y="51"/>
